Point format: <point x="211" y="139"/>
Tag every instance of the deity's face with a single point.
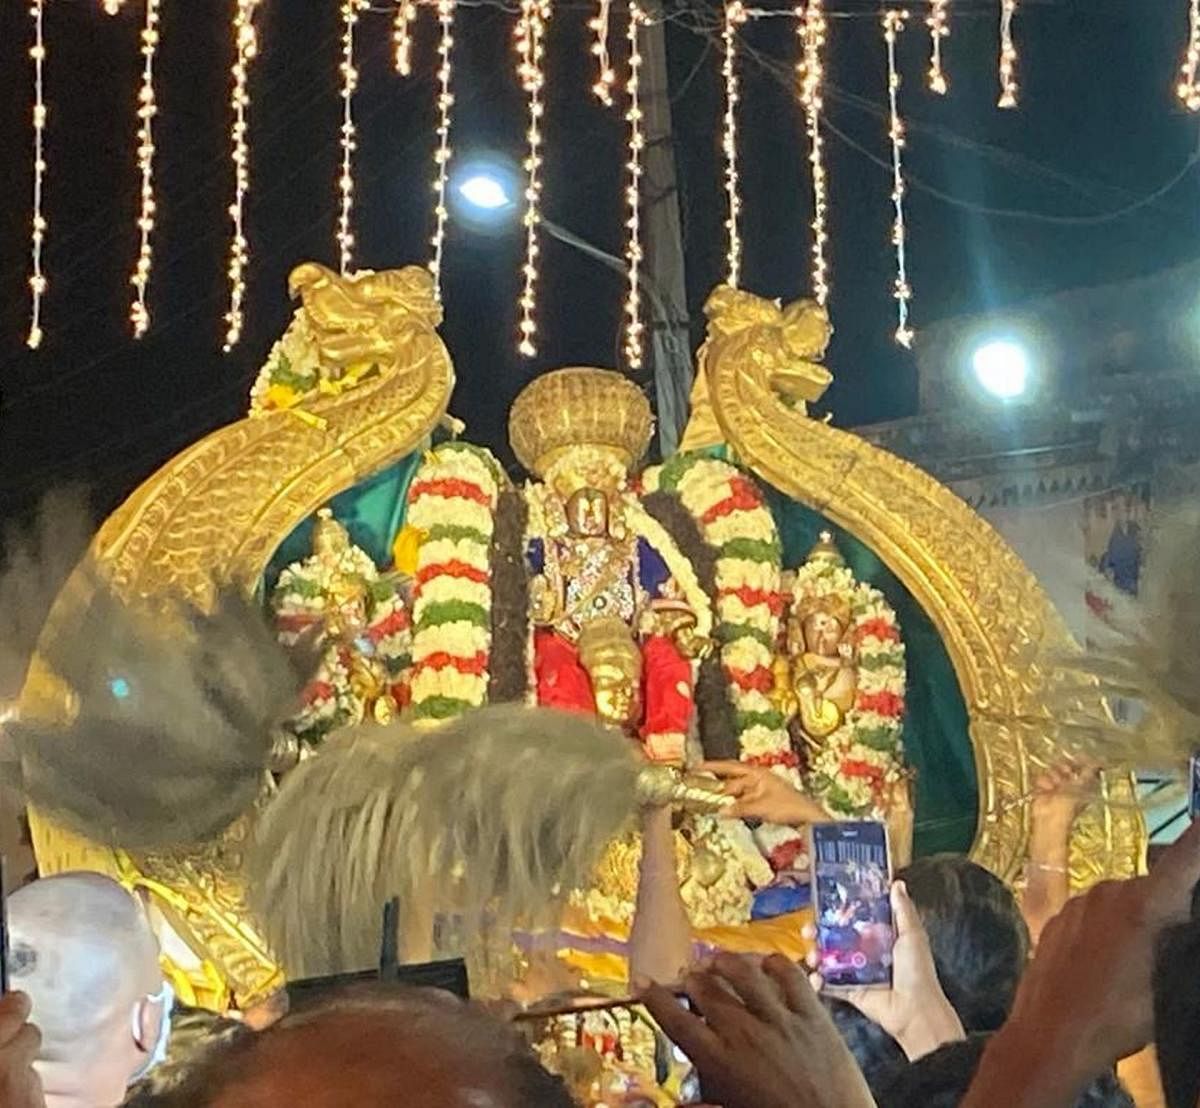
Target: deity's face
<point x="587" y="513"/>
<point x="618" y="698"/>
<point x="823" y="634"/>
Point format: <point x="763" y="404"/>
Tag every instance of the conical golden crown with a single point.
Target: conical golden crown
<point x="579" y="407"/>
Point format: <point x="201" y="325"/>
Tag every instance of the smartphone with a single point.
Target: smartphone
<point x="449" y="976"/>
<point x="1194" y="786"/>
<point x="851" y="883"/>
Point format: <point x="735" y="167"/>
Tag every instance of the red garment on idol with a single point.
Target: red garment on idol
<point x="667" y="693"/>
<point x="666" y="688"/>
<point x="562" y="682"/>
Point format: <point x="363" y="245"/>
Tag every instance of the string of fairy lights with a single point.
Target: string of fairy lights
<point x="735" y="16"/>
<point x="1008" y="55"/>
<point x="446" y="11"/>
<point x="812" y="31"/>
<point x="938" y="23"/>
<point x="1188" y="88"/>
<point x="812" y="28"/>
<point x="147" y="109"/>
<point x="531" y="32"/>
<point x="606" y="76"/>
<point x="245" y="40"/>
<point x="402" y="36"/>
<point x="633" y="190"/>
<point x="37" y="276"/>
<point x="894" y="22"/>
<point x="349" y="140"/>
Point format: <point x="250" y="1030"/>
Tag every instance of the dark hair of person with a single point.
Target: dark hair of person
<point x="878" y="1055"/>
<point x="221" y="1068"/>
<point x="979" y="939"/>
<point x="941" y="1080"/>
<point x="1177" y="1014"/>
<point x="194" y="1031"/>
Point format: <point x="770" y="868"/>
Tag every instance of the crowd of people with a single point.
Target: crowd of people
<point x="989" y="1005"/>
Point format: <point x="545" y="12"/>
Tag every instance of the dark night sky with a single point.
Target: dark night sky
<point x="1098" y="128"/>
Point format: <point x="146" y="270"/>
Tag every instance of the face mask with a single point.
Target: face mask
<point x="165" y="998"/>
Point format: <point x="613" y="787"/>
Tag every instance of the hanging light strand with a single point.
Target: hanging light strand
<point x="139" y="313"/>
<point x="606" y="76"/>
<point x="1188" y="88"/>
<point x="893" y="25"/>
<point x="349" y="139"/>
<point x="735" y="16"/>
<point x="531" y="31"/>
<point x="446" y="10"/>
<point x="812" y="28"/>
<point x="938" y="23"/>
<point x="37" y="278"/>
<point x="406" y="16"/>
<point x="245" y="40"/>
<point x="1008" y="55"/>
<point x="633" y="191"/>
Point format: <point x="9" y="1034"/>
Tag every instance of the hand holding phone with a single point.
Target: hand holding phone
<point x="851" y="883"/>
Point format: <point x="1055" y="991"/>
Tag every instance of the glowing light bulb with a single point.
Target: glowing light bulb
<point x="811" y="28"/>
<point x="446" y="10"/>
<point x="1002" y="368"/>
<point x="245" y="41"/>
<point x="37" y="277"/>
<point x="484" y="191"/>
<point x="735" y="16"/>
<point x="112" y="7"/>
<point x="893" y="26"/>
<point x="139" y="312"/>
<point x="530" y="36"/>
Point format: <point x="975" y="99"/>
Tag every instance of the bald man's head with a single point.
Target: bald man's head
<point x="82" y="949"/>
<point x="381" y="1046"/>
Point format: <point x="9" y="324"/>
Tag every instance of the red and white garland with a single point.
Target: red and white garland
<point x="856" y="769"/>
<point x="735" y="521"/>
<point x="452" y="506"/>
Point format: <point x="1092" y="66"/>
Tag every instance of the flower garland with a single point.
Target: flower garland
<point x="452" y="505"/>
<point x="290" y="371"/>
<point x="736" y="522"/>
<point x="300" y="600"/>
<point x="857" y="767"/>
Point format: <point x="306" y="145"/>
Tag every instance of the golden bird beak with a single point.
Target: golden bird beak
<point x="305" y="276"/>
<point x="806" y="381"/>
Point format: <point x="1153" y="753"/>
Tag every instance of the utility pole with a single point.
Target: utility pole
<point x="670" y="341"/>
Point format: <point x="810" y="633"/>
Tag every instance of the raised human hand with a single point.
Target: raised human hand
<point x="20" y="1041"/>
<point x="761" y="794"/>
<point x="914" y="1011"/>
<point x="1086" y="1001"/>
<point x="1060" y="795"/>
<point x="759" y="1037"/>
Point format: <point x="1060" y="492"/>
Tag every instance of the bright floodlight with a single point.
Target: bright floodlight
<point x="1002" y="368"/>
<point x="484" y="191"/>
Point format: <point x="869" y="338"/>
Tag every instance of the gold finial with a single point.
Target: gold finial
<point x="596" y="409"/>
<point x="826" y="551"/>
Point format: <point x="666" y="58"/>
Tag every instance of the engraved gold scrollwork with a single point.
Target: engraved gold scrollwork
<point x="997" y="623"/>
<point x="221" y="508"/>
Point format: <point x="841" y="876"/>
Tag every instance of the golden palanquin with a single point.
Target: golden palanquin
<point x="381" y="383"/>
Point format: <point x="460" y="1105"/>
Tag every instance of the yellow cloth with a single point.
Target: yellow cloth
<point x="781" y="935"/>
